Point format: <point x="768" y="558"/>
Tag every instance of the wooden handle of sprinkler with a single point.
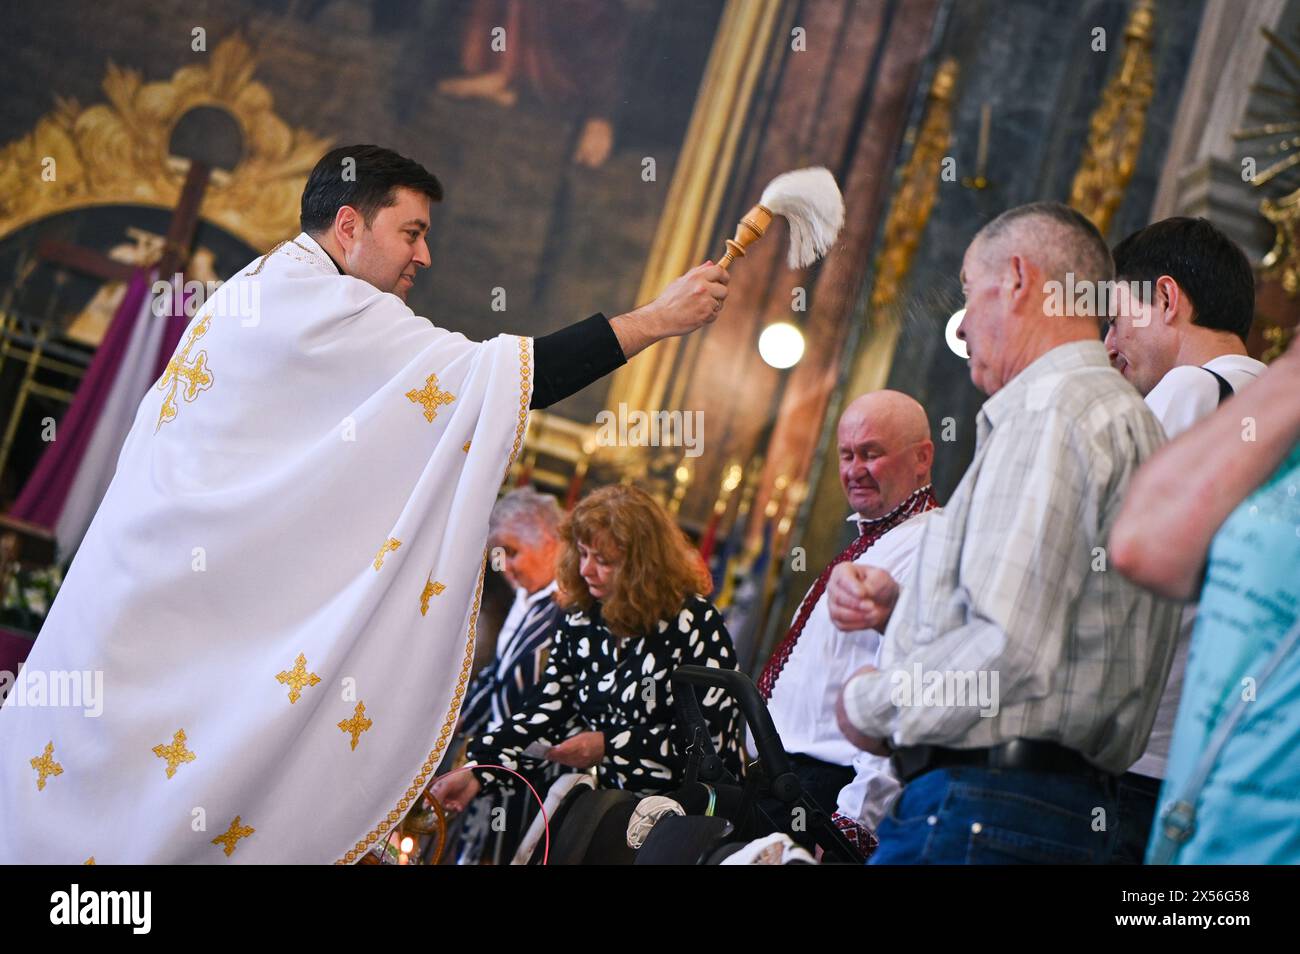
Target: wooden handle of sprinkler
<point x="749" y="230"/>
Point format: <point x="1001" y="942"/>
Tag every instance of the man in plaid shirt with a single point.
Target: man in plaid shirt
<point x="1019" y="675"/>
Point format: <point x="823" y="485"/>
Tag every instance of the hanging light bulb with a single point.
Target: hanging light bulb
<point x="408" y="843"/>
<point x="781" y="344"/>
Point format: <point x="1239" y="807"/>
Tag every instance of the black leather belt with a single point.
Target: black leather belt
<point x="1026" y="755"/>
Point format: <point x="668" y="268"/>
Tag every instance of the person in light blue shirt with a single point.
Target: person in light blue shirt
<point x="1247" y="810"/>
<point x="1229" y="487"/>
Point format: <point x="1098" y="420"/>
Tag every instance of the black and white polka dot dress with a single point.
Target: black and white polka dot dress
<point x="596" y="682"/>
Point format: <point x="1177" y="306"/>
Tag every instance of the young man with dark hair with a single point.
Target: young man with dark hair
<point x="363" y="177"/>
<point x="1184" y="303"/>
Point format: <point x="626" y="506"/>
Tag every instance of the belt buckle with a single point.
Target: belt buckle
<point x="911" y="761"/>
<point x="1009" y="755"/>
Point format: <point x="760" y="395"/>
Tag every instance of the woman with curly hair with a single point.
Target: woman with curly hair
<point x="631" y="587"/>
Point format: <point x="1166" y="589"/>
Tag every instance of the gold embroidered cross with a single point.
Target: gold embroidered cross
<point x="46" y="766"/>
<point x="235" y="832"/>
<point x="431" y="588"/>
<point x="466" y="447"/>
<point x="195" y="376"/>
<point x="297" y="678"/>
<point x="176" y="753"/>
<point x="430" y="397"/>
<point x="389" y="546"/>
<point x="357" y="724"/>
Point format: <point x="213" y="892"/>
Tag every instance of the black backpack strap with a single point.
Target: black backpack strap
<point x="1225" y="389"/>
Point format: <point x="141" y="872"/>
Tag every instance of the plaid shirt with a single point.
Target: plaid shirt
<point x="1012" y="582"/>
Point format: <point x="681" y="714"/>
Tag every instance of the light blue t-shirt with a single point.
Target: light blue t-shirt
<point x="1249" y="809"/>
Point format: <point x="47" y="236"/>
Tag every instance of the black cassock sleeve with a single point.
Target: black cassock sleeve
<point x="567" y="360"/>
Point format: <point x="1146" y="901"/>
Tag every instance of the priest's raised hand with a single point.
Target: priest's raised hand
<point x="689" y="303"/>
<point x="297" y="522"/>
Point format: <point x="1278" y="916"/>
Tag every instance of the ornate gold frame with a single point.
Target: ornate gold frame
<point x="117" y="153"/>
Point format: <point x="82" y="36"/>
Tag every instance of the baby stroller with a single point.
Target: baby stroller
<point x="722" y="813"/>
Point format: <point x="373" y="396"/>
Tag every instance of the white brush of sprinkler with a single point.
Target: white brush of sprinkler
<point x="809" y="200"/>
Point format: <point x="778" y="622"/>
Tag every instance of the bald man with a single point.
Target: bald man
<point x="885" y="455"/>
<point x="1019" y="676"/>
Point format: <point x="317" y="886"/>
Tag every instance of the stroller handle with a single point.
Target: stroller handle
<point x="783" y="784"/>
<point x="771" y="753"/>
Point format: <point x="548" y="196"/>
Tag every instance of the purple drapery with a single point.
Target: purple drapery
<point x="46" y="491"/>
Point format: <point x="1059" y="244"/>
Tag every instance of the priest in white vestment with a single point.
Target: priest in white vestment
<point x="279" y="592"/>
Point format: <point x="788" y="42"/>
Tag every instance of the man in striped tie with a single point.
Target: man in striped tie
<point x="524" y="534"/>
<point x="885" y="454"/>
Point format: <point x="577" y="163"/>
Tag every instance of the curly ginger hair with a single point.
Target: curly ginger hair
<point x="659" y="568"/>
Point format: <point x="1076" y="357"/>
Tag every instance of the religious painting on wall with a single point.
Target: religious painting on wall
<point x="554" y="128"/>
<point x="555" y="136"/>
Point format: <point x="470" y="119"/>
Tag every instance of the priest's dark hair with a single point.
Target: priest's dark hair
<point x="1212" y="271"/>
<point x="364" y="177"/>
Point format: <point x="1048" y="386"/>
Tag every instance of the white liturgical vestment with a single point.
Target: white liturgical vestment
<point x="279" y="591"/>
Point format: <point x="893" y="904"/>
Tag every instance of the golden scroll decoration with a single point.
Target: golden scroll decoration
<point x="917" y="187"/>
<point x="118" y="152"/>
<point x="1282" y="263"/>
<point x="1118" y="124"/>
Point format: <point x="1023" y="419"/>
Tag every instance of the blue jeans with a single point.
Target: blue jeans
<point x="977" y="816"/>
<point x="1138" y="797"/>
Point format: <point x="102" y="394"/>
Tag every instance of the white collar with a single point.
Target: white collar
<point x="1236" y="362"/>
<point x="524" y="597"/>
<point x="307" y="250"/>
